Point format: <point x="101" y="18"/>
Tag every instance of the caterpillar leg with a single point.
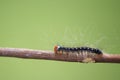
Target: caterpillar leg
<point x="88" y="60"/>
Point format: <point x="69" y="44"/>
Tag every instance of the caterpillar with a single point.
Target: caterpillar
<point x="58" y="49"/>
<point x="87" y="54"/>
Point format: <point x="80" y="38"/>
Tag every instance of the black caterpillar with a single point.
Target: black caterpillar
<point x="57" y="49"/>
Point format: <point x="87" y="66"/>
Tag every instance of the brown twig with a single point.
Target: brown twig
<point x="49" y="55"/>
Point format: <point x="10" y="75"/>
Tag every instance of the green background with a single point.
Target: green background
<point x="41" y="24"/>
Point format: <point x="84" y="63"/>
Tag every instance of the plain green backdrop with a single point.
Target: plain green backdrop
<point x="41" y="24"/>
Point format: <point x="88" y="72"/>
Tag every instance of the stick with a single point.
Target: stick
<point x="108" y="58"/>
<point x="50" y="55"/>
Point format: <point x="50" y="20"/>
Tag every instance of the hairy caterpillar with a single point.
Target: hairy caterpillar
<point x="57" y="49"/>
<point x="86" y="53"/>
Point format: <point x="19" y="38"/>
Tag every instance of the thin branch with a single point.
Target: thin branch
<point x="108" y="58"/>
<point x="50" y="55"/>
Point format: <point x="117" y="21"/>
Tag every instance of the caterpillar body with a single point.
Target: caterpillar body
<point x="87" y="54"/>
<point x="58" y="49"/>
